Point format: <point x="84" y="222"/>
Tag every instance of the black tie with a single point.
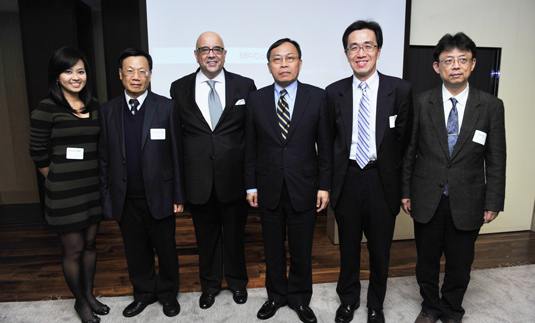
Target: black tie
<point x="134" y="103"/>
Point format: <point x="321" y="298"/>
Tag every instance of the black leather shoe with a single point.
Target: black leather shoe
<point x="375" y="316"/>
<point x="268" y="310"/>
<point x="171" y="308"/>
<point x="103" y="310"/>
<point x="239" y="296"/>
<point x="135" y="308"/>
<point x="305" y="314"/>
<point x="80" y="312"/>
<point x="206" y="300"/>
<point x="344" y="313"/>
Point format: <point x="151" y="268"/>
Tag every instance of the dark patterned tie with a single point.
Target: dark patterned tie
<point x="453" y="131"/>
<point x="134" y="103"/>
<point x="283" y="111"/>
<point x="453" y="126"/>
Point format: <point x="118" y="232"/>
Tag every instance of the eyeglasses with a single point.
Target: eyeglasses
<point x="130" y="72"/>
<point x="368" y="48"/>
<point x="277" y="60"/>
<point x="460" y="60"/>
<point x="216" y="50"/>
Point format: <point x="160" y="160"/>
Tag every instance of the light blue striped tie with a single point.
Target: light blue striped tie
<point x="364" y="128"/>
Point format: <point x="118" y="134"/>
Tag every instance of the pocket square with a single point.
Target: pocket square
<point x="240" y="102"/>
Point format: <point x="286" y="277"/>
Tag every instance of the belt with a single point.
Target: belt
<point x="371" y="164"/>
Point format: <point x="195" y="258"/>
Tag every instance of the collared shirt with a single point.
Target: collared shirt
<point x="140" y="98"/>
<point x="461" y="104"/>
<point x="373" y="88"/>
<point x="202" y="90"/>
<point x="290" y="97"/>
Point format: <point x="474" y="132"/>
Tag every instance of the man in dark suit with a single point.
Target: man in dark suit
<point x="372" y="114"/>
<point x="139" y="159"/>
<point x="453" y="176"/>
<point x="213" y="127"/>
<point x="288" y="149"/>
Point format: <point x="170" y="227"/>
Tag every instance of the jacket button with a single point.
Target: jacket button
<point x="213" y="135"/>
<point x="124" y="161"/>
<point x="212" y="157"/>
<point x="124" y="178"/>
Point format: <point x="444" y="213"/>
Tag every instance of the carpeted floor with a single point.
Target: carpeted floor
<point x="494" y="295"/>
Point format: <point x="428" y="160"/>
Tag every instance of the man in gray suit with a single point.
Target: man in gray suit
<point x="453" y="178"/>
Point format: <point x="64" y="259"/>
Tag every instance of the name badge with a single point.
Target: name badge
<point x="157" y="134"/>
<point x="480" y="137"/>
<point x="75" y="153"/>
<point x="392" y="120"/>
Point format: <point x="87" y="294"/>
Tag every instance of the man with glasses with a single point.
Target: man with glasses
<point x="373" y="115"/>
<point x="288" y="158"/>
<point x="453" y="176"/>
<point x="141" y="181"/>
<point x="212" y="103"/>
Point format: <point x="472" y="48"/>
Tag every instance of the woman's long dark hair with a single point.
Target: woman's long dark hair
<point x="63" y="59"/>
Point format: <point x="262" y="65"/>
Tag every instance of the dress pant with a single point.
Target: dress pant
<point x="142" y="235"/>
<point x="434" y="238"/>
<point x="296" y="288"/>
<point x="362" y="207"/>
<point x="220" y="233"/>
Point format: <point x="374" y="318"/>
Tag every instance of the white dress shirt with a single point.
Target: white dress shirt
<point x="461" y="104"/>
<point x="373" y="88"/>
<point x="202" y="89"/>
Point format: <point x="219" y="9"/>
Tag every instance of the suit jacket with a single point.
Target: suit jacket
<point x="160" y="159"/>
<point x="475" y="172"/>
<point x="213" y="158"/>
<point x="394" y="100"/>
<point x="269" y="159"/>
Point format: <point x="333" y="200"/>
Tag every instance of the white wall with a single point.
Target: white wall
<point x="509" y="25"/>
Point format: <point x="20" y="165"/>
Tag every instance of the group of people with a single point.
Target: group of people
<point x="221" y="146"/>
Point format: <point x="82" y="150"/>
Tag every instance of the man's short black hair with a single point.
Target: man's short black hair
<point x="449" y="42"/>
<point x="280" y="42"/>
<point x="134" y="52"/>
<point x="363" y="24"/>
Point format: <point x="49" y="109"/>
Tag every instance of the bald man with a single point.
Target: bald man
<point x="211" y="105"/>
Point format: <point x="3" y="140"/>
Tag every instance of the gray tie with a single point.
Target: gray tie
<point x="214" y="104"/>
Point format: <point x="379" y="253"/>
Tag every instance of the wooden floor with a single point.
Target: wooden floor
<point x="30" y="258"/>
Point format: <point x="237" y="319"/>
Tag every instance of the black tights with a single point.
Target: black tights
<point x="79" y="262"/>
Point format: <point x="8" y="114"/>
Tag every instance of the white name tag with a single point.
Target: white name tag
<point x="75" y="153"/>
<point x="480" y="137"/>
<point x="157" y="134"/>
<point x="393" y="121"/>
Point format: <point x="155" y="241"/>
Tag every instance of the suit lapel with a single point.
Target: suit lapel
<point x="270" y="110"/>
<point x="346" y="110"/>
<point x="301" y="102"/>
<point x="471" y="114"/>
<point x="382" y="113"/>
<point x="118" y="114"/>
<point x="150" y="111"/>
<point x="192" y="104"/>
<point x="230" y="87"/>
<point x="436" y="112"/>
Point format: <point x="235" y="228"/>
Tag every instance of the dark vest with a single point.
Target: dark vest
<point x="133" y="127"/>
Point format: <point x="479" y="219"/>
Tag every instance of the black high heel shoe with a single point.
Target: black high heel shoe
<point x="78" y="310"/>
<point x="103" y="310"/>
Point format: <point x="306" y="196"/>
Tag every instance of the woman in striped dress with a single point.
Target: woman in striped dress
<point x="63" y="145"/>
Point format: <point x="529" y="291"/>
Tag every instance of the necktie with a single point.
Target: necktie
<point x="134" y="103"/>
<point x="214" y="104"/>
<point x="364" y="129"/>
<point x="453" y="131"/>
<point x="453" y="126"/>
<point x="283" y="112"/>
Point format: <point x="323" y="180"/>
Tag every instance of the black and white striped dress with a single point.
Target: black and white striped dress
<point x="72" y="197"/>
